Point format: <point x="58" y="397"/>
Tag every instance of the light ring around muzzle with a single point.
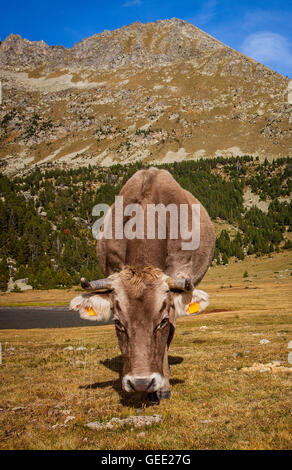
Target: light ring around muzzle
<point x="146" y="383"/>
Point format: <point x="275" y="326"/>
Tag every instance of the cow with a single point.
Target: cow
<point x="149" y="281"/>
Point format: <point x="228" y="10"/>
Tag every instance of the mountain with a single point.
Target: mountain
<point x="161" y="92"/>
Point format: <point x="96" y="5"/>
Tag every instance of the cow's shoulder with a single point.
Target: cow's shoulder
<point x="154" y="185"/>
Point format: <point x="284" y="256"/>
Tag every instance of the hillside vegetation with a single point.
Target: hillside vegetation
<point x="46" y="216"/>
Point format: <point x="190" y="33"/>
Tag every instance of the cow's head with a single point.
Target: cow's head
<point x="144" y="305"/>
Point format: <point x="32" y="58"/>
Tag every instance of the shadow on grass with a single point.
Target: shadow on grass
<point x="116" y="363"/>
<point x="137" y="399"/>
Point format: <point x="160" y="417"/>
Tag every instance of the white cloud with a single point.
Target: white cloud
<point x="132" y="3"/>
<point x="271" y="49"/>
<point x="206" y="13"/>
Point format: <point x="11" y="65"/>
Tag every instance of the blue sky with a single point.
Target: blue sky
<point x="260" y="29"/>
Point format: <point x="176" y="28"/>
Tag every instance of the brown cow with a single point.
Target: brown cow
<point x="149" y="282"/>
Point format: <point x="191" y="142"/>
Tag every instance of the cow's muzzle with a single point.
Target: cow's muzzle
<point x="149" y="383"/>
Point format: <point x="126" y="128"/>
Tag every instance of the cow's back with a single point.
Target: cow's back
<point x="155" y="186"/>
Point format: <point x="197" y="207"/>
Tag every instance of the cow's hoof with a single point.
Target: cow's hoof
<point x="153" y="397"/>
<point x="164" y="394"/>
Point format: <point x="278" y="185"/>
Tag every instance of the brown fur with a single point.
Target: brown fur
<point x="137" y="280"/>
<point x="155" y="186"/>
<point x="143" y="306"/>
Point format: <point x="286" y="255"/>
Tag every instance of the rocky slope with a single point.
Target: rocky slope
<point x="160" y="91"/>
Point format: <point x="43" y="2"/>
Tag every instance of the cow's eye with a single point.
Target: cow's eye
<point x="119" y="325"/>
<point x="162" y="324"/>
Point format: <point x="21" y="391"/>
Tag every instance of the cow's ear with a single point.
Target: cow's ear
<point x="201" y="298"/>
<point x="188" y="303"/>
<point x="93" y="307"/>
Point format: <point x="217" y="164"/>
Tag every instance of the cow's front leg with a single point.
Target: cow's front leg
<point x="164" y="392"/>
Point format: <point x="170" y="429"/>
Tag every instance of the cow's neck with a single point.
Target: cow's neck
<point x="142" y="253"/>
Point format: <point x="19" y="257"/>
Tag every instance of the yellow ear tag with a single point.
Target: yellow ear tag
<point x="91" y="312"/>
<point x="194" y="307"/>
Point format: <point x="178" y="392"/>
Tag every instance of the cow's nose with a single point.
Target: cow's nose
<point x="149" y="383"/>
<point x="142" y="384"/>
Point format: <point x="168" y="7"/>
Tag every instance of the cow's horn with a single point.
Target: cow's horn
<point x="179" y="284"/>
<point x="99" y="284"/>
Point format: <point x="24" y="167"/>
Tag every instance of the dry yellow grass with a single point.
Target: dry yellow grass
<point x="36" y="297"/>
<point x="261" y="270"/>
<point x="214" y="403"/>
<point x="36" y="73"/>
<point x="276" y="267"/>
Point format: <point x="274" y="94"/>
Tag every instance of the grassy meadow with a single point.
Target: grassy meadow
<point x="49" y="393"/>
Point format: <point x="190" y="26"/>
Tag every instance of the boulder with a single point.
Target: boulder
<point x="21" y="284"/>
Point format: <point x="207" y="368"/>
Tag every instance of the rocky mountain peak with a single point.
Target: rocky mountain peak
<point x="162" y="91"/>
<point x="136" y="44"/>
